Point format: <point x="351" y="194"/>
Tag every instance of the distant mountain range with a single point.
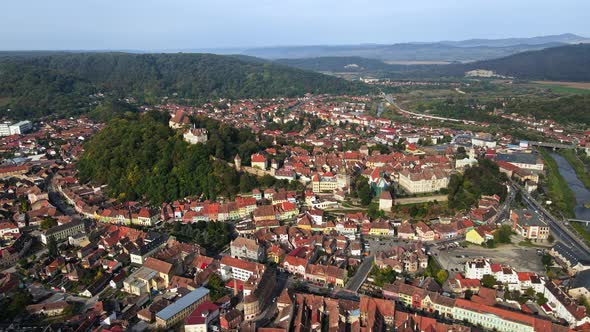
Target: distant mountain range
<point x="563" y="63"/>
<point x="566" y="38"/>
<point x="444" y="51"/>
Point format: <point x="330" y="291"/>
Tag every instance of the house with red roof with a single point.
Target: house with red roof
<point x="200" y="319"/>
<point x="259" y="161"/>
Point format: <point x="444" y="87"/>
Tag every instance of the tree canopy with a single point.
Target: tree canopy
<point x="483" y="179"/>
<point x="63" y="84"/>
<point x="140" y="157"/>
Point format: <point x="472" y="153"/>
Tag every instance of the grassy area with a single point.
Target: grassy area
<point x="578" y="165"/>
<point x="566" y="90"/>
<point x="557" y="189"/>
<point x="582" y="230"/>
<point x="5" y="101"/>
<point x="530" y="244"/>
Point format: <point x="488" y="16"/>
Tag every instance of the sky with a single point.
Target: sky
<point x="197" y="24"/>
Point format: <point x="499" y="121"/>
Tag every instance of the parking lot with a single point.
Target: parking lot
<point x="376" y="245"/>
<point x="519" y="258"/>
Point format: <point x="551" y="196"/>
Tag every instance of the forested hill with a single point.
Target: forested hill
<point x="337" y="64"/>
<point x="564" y="63"/>
<point x="60" y="84"/>
<point x="140" y="157"/>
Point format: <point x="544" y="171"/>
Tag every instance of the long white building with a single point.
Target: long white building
<point x="8" y="128"/>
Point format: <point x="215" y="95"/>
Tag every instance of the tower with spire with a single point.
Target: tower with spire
<point x="342" y="177"/>
<point x="238" y="162"/>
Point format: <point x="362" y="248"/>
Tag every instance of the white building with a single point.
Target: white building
<point x="7" y="128"/>
<point x="564" y="306"/>
<point x="504" y="274"/>
<point x="238" y="269"/>
<point x="195" y="135"/>
<point x="426" y="181"/>
<point x="324" y="182"/>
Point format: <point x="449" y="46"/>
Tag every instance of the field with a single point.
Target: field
<point x="410" y="62"/>
<point x="4" y="101"/>
<point x="566" y="87"/>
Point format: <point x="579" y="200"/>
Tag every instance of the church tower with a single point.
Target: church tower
<point x="343" y="178"/>
<point x="238" y="162"/>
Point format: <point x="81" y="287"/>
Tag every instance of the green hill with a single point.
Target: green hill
<point x="564" y="63"/>
<point x="61" y="84"/>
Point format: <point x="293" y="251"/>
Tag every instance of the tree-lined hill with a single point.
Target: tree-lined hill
<point x="564" y="63"/>
<point x="61" y="83"/>
<point x="437" y="51"/>
<point x="140" y="157"/>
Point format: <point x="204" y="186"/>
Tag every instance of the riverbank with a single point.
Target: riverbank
<point x="565" y="186"/>
<point x="577" y="165"/>
<point x="558" y="190"/>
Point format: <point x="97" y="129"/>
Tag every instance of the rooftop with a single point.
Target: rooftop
<point x="182" y="303"/>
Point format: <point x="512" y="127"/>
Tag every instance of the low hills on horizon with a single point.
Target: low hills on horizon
<point x="562" y="63"/>
<point x="62" y="83"/>
<point x="439" y="51"/>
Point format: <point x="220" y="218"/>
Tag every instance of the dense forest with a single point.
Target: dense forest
<point x="483" y="179"/>
<point x="61" y="84"/>
<point x="342" y="64"/>
<point x="140" y="157"/>
<point x="210" y="235"/>
<point x="566" y="110"/>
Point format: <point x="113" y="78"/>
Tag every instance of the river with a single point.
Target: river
<point x="582" y="194"/>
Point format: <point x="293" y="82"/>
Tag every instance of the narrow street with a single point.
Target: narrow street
<point x="355" y="282"/>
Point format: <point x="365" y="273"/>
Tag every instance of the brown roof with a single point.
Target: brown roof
<point x="158" y="265"/>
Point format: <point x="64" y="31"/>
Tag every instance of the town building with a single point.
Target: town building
<point x="385" y="201"/>
<point x="259" y="161"/>
<point x="62" y="232"/>
<point x="426" y="181"/>
<point x="181" y="308"/>
<point x="195" y="135"/>
<point x="530" y="161"/>
<point x="19" y="128"/>
<point x="529" y="224"/>
<point x="568" y="258"/>
<point x="200" y="319"/>
<point x="238" y="269"/>
<point x="326" y="182"/>
<point x="246" y="248"/>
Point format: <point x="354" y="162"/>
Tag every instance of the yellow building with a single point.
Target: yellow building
<point x="380" y="229"/>
<point x="473" y="236"/>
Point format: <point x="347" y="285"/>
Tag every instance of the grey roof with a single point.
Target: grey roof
<point x="529" y="218"/>
<point x="582" y="280"/>
<point x="60" y="228"/>
<point x="520" y="158"/>
<point x="182" y="303"/>
<point x="572" y="256"/>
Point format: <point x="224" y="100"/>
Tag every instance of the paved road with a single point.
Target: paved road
<point x="58" y="201"/>
<point x="505" y="207"/>
<point x="557" y="226"/>
<point x="390" y="100"/>
<point x="355" y="282"/>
